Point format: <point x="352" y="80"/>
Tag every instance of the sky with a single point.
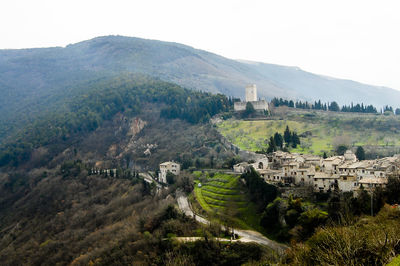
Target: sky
<point x="352" y="39"/>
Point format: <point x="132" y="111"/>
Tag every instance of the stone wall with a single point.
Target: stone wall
<point x="258" y="105"/>
<point x="297" y="192"/>
<point x="244" y="155"/>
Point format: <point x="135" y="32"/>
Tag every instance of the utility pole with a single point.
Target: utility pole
<point x="372" y="201"/>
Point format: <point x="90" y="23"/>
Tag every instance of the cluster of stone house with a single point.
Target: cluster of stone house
<point x="345" y="172"/>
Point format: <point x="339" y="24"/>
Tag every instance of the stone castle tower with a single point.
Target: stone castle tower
<point x="251" y="93"/>
<point x="251" y="96"/>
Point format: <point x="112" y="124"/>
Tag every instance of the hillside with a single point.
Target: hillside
<point x="114" y="111"/>
<point x="37" y="80"/>
<point x="54" y="210"/>
<point x="319" y="131"/>
<point x="224" y="196"/>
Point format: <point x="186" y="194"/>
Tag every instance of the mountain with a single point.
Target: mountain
<point x="33" y="80"/>
<point x="80" y="190"/>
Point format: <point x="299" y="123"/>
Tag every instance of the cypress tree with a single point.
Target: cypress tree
<point x="287" y="135"/>
<point x="271" y="145"/>
<point x="295" y="140"/>
<point x="278" y="140"/>
<point x="360" y="153"/>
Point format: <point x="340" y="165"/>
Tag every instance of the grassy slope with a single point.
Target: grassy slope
<point x="222" y="196"/>
<point x="326" y="131"/>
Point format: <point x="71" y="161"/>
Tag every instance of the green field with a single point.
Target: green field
<point x="321" y="132"/>
<point x="222" y="196"/>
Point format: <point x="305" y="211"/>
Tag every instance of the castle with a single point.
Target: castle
<point x="251" y="96"/>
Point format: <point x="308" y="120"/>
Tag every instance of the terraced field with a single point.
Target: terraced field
<point x="222" y="195"/>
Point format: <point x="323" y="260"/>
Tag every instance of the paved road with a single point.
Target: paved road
<point x="245" y="235"/>
<point x="149" y="179"/>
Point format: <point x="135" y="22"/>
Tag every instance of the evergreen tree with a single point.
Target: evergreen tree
<point x="170" y="178"/>
<point x="287" y="135"/>
<point x="334" y="107"/>
<point x="278" y="140"/>
<point x="271" y="145"/>
<point x="295" y="140"/>
<point x="249" y="109"/>
<point x="341" y="149"/>
<point x="360" y="153"/>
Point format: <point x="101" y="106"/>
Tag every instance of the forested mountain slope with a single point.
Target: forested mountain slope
<point x="33" y="80"/>
<point x="120" y="99"/>
<point x="55" y="210"/>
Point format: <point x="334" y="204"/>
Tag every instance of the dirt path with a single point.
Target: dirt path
<point x="245" y="235"/>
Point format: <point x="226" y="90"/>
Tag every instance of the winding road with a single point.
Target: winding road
<point x="245" y="235"/>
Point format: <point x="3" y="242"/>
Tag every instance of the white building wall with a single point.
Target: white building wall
<point x="166" y="167"/>
<point x="346" y="186"/>
<point x="251" y="93"/>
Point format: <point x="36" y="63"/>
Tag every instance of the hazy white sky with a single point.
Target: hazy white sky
<point x="351" y="39"/>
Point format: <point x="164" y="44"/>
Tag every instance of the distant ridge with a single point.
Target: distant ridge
<point x="28" y="77"/>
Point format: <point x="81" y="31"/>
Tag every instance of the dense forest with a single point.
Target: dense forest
<point x="100" y="102"/>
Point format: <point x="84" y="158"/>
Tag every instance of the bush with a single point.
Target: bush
<point x="372" y="241"/>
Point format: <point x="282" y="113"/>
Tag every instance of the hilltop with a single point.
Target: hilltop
<point x="319" y="131"/>
<point x="33" y="80"/>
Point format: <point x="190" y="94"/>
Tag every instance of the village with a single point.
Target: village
<point x="345" y="173"/>
<point x="292" y="170"/>
<point x="323" y="175"/>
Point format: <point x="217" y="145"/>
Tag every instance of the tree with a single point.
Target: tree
<point x="360" y="153"/>
<point x="287" y="135"/>
<point x="305" y="145"/>
<point x="310" y="220"/>
<point x="341" y="149"/>
<point x="393" y="190"/>
<point x="334" y="107"/>
<point x="260" y="192"/>
<point x="295" y="140"/>
<point x="170" y="178"/>
<point x="249" y="109"/>
<point x="271" y="145"/>
<point x="270" y="217"/>
<point x="324" y="156"/>
<point x="278" y="140"/>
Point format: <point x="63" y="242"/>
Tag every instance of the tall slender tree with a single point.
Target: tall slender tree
<point x="287" y="135"/>
<point x="360" y="153"/>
